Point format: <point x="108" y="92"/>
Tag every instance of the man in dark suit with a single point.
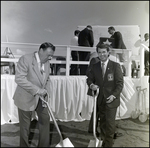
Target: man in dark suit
<point x="119" y="43"/>
<point x="85" y="39"/>
<point x="107" y="76"/>
<point x="32" y="78"/>
<point x="146" y="53"/>
<point x="93" y="61"/>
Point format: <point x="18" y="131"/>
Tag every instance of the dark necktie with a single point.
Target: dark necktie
<point x="103" y="70"/>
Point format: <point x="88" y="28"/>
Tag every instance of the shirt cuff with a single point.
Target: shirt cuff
<point x="114" y="96"/>
<point x="91" y="85"/>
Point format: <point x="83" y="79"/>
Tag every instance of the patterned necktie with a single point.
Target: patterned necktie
<point x="103" y="70"/>
<point x="42" y="70"/>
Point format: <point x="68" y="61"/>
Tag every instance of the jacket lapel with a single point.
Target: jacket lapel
<point x="36" y="69"/>
<point x="46" y="66"/>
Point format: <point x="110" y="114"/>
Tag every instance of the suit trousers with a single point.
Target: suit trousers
<point x="146" y="62"/>
<point x="107" y="123"/>
<point x="74" y="70"/>
<point x="83" y="56"/>
<point x="44" y="126"/>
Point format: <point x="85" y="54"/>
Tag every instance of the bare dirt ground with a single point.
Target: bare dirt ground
<point x="135" y="133"/>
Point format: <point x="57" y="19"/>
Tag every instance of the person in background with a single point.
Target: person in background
<point x="74" y="40"/>
<point x="106" y="75"/>
<point x="85" y="39"/>
<point x="119" y="43"/>
<point x="32" y="78"/>
<point x="146" y="54"/>
<point x="74" y="54"/>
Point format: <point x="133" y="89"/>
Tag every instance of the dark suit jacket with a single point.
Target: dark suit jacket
<point x="112" y="83"/>
<point x="86" y="38"/>
<point x="92" y="62"/>
<point x="118" y="40"/>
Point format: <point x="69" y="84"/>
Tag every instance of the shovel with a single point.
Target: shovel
<point x="63" y="143"/>
<point x="96" y="142"/>
<point x="143" y="116"/>
<point x="135" y="114"/>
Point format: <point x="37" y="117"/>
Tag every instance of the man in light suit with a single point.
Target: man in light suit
<point x="32" y="78"/>
<point x="109" y="81"/>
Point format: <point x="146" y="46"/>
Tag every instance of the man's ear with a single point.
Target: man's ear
<point x="109" y="54"/>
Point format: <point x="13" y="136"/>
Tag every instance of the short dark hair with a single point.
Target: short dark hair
<point x="46" y="45"/>
<point x="100" y="45"/>
<point x="146" y="34"/>
<point x="111" y="28"/>
<point x="89" y="26"/>
<point x="76" y="32"/>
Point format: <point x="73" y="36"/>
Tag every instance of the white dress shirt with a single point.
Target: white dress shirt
<point x="74" y="41"/>
<point x="39" y="62"/>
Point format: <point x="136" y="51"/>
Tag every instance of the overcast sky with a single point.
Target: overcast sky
<point x="55" y="21"/>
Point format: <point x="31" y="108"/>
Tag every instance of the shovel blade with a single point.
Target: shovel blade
<point x="95" y="143"/>
<point x="65" y="143"/>
<point x="135" y="114"/>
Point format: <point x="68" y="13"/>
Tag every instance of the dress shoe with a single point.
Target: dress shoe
<point x="103" y="144"/>
<point x="97" y="134"/>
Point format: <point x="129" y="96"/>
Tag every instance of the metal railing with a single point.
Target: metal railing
<point x="18" y="49"/>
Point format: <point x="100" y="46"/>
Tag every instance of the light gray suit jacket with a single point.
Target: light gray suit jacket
<point x="29" y="80"/>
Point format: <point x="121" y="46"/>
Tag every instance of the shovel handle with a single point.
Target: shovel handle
<point x="138" y="88"/>
<point x="94" y="112"/>
<point x="51" y="114"/>
<point x="144" y="99"/>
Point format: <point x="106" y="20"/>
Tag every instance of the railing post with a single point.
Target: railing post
<point x="129" y="53"/>
<point x="141" y="61"/>
<point x="68" y="61"/>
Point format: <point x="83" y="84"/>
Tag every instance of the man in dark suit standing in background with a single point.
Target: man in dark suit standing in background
<point x="119" y="44"/>
<point x="107" y="76"/>
<point x="85" y="39"/>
